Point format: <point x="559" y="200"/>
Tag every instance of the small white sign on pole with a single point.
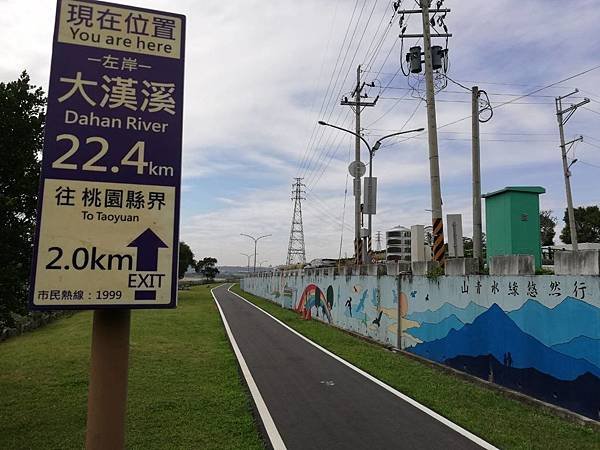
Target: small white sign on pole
<point x="455" y="236"/>
<point x="370" y="195"/>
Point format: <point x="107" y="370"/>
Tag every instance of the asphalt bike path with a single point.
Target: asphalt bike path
<point x="308" y="398"/>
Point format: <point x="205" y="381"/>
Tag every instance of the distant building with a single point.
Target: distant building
<point x="397" y="243"/>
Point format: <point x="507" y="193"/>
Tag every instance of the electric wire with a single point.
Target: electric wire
<point x="335" y="68"/>
<point x="344" y="80"/>
<point x="510" y="101"/>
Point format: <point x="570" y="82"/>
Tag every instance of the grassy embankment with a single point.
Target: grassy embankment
<point x="502" y="421"/>
<point x="184" y="388"/>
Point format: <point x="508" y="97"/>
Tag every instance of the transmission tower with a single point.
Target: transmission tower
<point x="296" y="253"/>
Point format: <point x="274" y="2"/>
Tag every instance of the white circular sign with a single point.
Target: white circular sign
<point x="357" y="169"/>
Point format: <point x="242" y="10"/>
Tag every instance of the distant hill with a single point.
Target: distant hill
<point x="581" y="347"/>
<point x="465" y="315"/>
<point x="580" y="395"/>
<point x="569" y="319"/>
<point x="432" y="331"/>
<point x="493" y="332"/>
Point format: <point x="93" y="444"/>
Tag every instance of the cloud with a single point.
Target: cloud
<point x="259" y="74"/>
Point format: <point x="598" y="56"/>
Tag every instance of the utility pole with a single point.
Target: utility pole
<point x="562" y="120"/>
<point x="255" y="243"/>
<point x="476" y="169"/>
<point x="248" y="257"/>
<point x="359" y="250"/>
<point x="296" y="251"/>
<point x="434" y="164"/>
<point x="433" y="61"/>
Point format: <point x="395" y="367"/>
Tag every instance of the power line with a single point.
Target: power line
<point x="501" y="94"/>
<point x="406" y="123"/>
<point x="510" y="101"/>
<point x="333" y="145"/>
<point x="498" y="83"/>
<point x="588" y="164"/>
<point x="321" y="71"/>
<point x="442" y="100"/>
<point x="590" y="110"/>
<point x="345" y="78"/>
<point x="380" y="42"/>
<point x="591" y="137"/>
<point x="590" y="144"/>
<point x="333" y="72"/>
<point x="390" y="109"/>
<point x="319" y="157"/>
<point x="500" y="133"/>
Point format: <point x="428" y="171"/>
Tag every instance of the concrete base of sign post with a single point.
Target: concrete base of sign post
<point x="422" y="268"/>
<point x="107" y="397"/>
<point x="582" y="262"/>
<point x="462" y="266"/>
<point x="512" y="265"/>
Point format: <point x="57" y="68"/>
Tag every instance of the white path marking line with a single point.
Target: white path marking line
<point x="425" y="409"/>
<point x="265" y="415"/>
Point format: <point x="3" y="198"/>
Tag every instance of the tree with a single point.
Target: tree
<point x="587" y="223"/>
<point x="547" y="224"/>
<point x="22" y="115"/>
<point x="207" y="267"/>
<point x="186" y="258"/>
<point x="468" y="247"/>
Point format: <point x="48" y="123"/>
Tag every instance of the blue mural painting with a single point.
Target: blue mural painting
<point x="539" y="335"/>
<point x="536" y="335"/>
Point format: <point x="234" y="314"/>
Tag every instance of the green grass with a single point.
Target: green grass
<point x="502" y="421"/>
<point x="184" y="387"/>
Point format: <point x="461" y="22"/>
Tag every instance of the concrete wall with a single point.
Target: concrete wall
<point x="536" y="334"/>
<point x="364" y="304"/>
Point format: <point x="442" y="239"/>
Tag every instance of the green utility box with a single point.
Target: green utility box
<point x="512" y="219"/>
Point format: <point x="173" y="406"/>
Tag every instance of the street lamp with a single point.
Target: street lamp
<point x="247" y="256"/>
<point x="372" y="151"/>
<point x="569" y="173"/>
<point x="255" y="242"/>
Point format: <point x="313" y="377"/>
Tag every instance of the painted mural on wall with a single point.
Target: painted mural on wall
<point x="538" y="335"/>
<point x="365" y="305"/>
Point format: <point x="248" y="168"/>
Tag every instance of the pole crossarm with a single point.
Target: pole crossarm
<point x="431" y="11"/>
<point x="571" y="109"/>
<point x="349" y="103"/>
<point x="570" y="143"/>
<point x="415" y="36"/>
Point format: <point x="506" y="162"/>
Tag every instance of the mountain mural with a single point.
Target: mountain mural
<point x="493" y="332"/>
<point x="465" y="315"/>
<point x="567" y="320"/>
<point x="432" y="331"/>
<point x="581" y="347"/>
<point x="580" y="395"/>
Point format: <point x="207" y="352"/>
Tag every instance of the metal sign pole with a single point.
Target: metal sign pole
<point x="107" y="398"/>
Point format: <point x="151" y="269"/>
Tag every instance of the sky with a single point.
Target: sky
<point x="260" y="74"/>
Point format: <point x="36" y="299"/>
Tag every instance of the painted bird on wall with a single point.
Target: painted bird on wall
<point x="378" y="320"/>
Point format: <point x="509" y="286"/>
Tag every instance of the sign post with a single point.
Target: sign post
<point x="108" y="216"/>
